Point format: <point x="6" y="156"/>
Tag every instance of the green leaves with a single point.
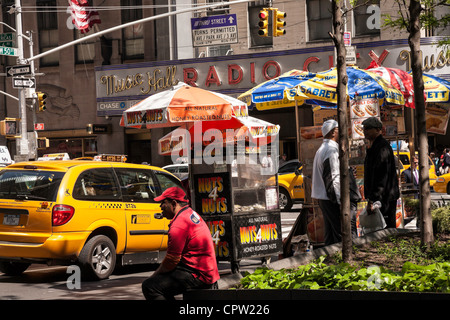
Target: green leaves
<point x="317" y="275"/>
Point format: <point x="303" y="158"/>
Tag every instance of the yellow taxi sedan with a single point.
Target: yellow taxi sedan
<point x="442" y="184"/>
<point x="91" y="213"/>
<point x="290" y="184"/>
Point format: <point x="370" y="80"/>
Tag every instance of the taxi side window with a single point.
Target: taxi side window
<point x="166" y="181"/>
<point x="96" y="184"/>
<point x="137" y="185"/>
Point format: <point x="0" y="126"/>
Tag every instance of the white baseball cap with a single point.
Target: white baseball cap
<point x="328" y="126"/>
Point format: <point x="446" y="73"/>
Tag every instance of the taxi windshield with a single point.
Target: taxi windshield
<point x="30" y="185"/>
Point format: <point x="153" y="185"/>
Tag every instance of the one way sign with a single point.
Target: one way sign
<point x="21" y="70"/>
<point x="20" y="83"/>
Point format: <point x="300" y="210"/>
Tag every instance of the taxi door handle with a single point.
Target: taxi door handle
<point x="158" y="215"/>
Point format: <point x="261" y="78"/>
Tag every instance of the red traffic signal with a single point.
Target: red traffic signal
<point x="263" y="23"/>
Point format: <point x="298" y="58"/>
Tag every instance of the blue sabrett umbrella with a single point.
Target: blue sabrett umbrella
<point x="274" y="93"/>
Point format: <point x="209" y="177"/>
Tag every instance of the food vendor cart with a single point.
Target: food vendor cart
<point x="238" y="199"/>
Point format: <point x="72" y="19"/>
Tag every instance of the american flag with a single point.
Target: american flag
<point x="83" y="18"/>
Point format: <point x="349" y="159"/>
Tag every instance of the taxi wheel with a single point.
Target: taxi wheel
<point x="13" y="268"/>
<point x="284" y="200"/>
<point x="97" y="258"/>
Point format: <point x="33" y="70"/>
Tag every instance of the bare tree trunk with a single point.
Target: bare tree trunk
<point x="426" y="227"/>
<point x="338" y="39"/>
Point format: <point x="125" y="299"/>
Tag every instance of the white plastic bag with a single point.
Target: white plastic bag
<point x="372" y="222"/>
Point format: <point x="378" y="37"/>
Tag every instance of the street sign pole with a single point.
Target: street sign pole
<point x="22" y="142"/>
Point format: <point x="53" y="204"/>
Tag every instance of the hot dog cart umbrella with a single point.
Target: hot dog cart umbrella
<point x="362" y="84"/>
<point x="279" y="93"/>
<point x="274" y="93"/>
<point x="177" y="143"/>
<point x="180" y="105"/>
<point x="436" y="89"/>
<point x="233" y="183"/>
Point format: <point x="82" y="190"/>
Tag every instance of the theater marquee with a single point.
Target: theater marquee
<point x="119" y="87"/>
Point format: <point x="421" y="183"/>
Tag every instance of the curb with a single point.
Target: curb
<point x="305" y="258"/>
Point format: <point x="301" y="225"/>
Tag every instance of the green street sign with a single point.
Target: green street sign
<point x="7" y="36"/>
<point x="5" y="51"/>
<point x="7" y="44"/>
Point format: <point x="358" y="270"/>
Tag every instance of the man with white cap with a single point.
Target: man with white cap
<point x="326" y="181"/>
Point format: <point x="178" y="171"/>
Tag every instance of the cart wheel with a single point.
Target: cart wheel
<point x="234" y="266"/>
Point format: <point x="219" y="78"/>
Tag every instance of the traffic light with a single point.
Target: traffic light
<point x="263" y="23"/>
<point x="278" y="23"/>
<point x="41" y="101"/>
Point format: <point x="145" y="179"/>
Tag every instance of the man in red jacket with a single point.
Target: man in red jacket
<point x="190" y="261"/>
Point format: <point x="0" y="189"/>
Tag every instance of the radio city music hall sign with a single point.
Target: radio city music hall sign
<point x="241" y="73"/>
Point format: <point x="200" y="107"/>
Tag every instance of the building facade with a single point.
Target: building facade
<point x="93" y="82"/>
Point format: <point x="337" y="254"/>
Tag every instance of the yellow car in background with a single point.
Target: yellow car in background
<point x="290" y="184"/>
<point x="442" y="184"/>
<point x="85" y="212"/>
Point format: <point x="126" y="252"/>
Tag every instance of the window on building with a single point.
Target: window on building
<point x="220" y="50"/>
<point x="320" y="19"/>
<point x="75" y="147"/>
<point x="367" y="18"/>
<point x="47" y="19"/>
<point x="219" y="10"/>
<point x="133" y="36"/>
<point x="215" y="51"/>
<point x="85" y="51"/>
<point x="253" y="19"/>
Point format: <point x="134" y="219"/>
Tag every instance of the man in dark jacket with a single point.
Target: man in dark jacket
<point x="380" y="176"/>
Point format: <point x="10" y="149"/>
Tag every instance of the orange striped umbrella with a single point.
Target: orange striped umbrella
<point x="180" y="105"/>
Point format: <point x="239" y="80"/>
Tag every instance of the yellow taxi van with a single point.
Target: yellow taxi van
<point x="87" y="212"/>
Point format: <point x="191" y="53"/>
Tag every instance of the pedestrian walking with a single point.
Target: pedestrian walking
<point x="445" y="162"/>
<point x="190" y="261"/>
<point x="380" y="176"/>
<point x="326" y="181"/>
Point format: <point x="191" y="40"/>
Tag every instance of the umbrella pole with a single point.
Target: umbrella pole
<point x="297" y="130"/>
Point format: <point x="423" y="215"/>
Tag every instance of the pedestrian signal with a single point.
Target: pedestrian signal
<point x="263" y="23"/>
<point x="8" y="127"/>
<point x="278" y="23"/>
<point x="41" y="101"/>
<point x="43" y="143"/>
